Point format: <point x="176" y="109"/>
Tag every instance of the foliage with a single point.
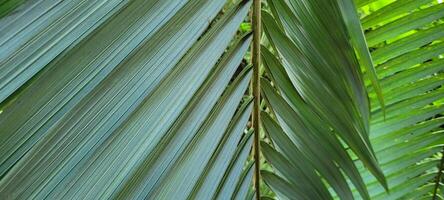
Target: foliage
<point x="124" y="99"/>
<point x="134" y="99"/>
<point x="406" y="135"/>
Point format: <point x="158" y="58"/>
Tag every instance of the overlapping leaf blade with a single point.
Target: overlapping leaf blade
<point x="232" y="177"/>
<point x="41" y="30"/>
<point x="407" y="142"/>
<point x="315" y="67"/>
<point x="111" y="109"/>
<point x="318" y="133"/>
<point x="59" y="87"/>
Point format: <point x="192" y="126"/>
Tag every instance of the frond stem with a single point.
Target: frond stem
<point x="256" y="58"/>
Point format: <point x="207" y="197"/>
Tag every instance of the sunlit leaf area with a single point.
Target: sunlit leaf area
<point x="222" y="99"/>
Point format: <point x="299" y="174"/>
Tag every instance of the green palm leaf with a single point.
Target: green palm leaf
<point x="405" y="135"/>
<point x="133" y="99"/>
<point x="408" y="141"/>
<point x="303" y="72"/>
<point x="127" y="115"/>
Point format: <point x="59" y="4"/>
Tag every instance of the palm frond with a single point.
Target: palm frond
<point x="133" y="104"/>
<point x="406" y="135"/>
<point x="407" y="38"/>
<point x="133" y="99"/>
<point x="321" y="89"/>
